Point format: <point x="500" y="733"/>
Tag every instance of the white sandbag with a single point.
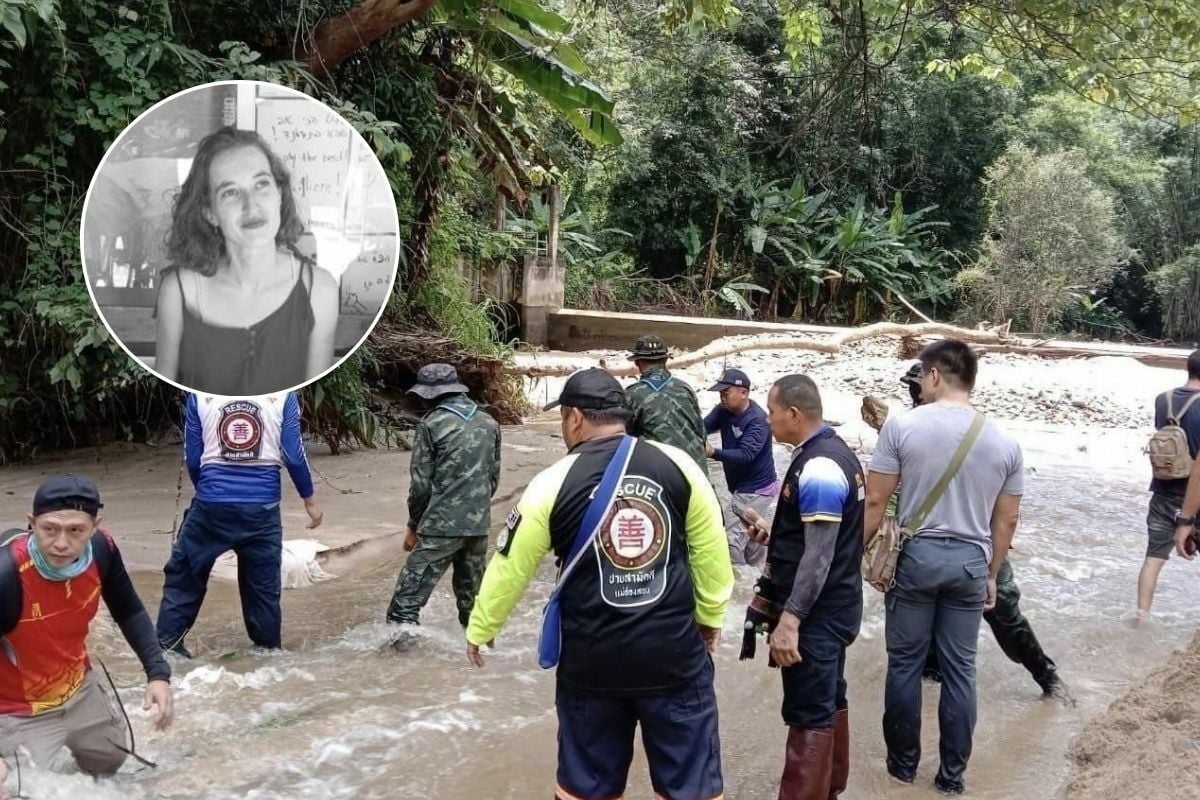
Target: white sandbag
<point x="298" y="566"/>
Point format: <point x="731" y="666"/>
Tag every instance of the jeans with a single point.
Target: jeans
<point x="815" y="689"/>
<point x="941" y="585"/>
<point x="251" y="530"/>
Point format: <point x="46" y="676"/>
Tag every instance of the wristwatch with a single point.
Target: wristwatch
<point x="1180" y="519"/>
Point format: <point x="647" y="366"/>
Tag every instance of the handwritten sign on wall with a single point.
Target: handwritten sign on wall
<point x="342" y="191"/>
<point x="314" y="143"/>
<point x="368" y="279"/>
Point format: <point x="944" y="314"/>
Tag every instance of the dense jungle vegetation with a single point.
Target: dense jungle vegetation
<point x="1033" y="160"/>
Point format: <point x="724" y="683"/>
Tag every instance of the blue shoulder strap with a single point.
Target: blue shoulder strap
<point x="550" y="644"/>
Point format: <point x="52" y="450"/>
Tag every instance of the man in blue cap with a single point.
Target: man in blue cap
<point x="745" y="455"/>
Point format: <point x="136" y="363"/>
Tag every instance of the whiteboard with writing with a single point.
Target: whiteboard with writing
<point x="341" y="190"/>
<point x="367" y="280"/>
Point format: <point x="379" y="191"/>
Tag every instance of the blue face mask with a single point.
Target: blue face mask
<point x="53" y="573"/>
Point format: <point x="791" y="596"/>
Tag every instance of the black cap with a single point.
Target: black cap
<point x="590" y="388"/>
<point x="729" y="378"/>
<point x="650" y="347"/>
<point x="913" y="375"/>
<point x="67" y="493"/>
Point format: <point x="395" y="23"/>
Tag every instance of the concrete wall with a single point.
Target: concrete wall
<point x="573" y="330"/>
<point x="543" y="292"/>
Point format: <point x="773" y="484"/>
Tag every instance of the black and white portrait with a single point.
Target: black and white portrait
<point x="240" y="238"/>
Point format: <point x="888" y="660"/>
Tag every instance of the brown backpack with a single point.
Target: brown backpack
<point x="1170" y="456"/>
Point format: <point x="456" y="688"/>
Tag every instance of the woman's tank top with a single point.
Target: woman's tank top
<point x="269" y="356"/>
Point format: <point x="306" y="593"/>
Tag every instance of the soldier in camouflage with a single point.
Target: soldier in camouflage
<point x="455" y="471"/>
<point x="662" y="408"/>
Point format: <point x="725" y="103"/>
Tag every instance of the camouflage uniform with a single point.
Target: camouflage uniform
<point x="455" y="471"/>
<point x="664" y="409"/>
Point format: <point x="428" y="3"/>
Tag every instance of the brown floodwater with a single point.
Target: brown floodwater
<point x="338" y="715"/>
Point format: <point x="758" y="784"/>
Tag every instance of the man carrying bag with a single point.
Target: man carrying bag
<point x="639" y="603"/>
<point x="962" y="479"/>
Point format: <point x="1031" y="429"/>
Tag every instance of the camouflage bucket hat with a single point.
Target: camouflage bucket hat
<point x="650" y="347"/>
<point x="435" y="380"/>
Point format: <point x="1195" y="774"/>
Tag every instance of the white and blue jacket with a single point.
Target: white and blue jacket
<point x="235" y="446"/>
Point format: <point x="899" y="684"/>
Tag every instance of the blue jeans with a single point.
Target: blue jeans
<point x="815" y="689"/>
<point x="941" y="585"/>
<point x="679" y="733"/>
<point x="251" y="530"/>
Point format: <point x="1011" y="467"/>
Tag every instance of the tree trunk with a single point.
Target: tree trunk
<point x="429" y="193"/>
<point x="741" y="344"/>
<point x="337" y="38"/>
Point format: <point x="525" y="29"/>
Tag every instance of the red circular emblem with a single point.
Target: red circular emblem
<point x="633" y="534"/>
<point x="240" y="431"/>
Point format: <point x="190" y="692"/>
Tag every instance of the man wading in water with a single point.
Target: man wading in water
<point x="810" y="595"/>
<point x="644" y="581"/>
<point x="1012" y="630"/>
<point x="745" y="454"/>
<point x="944" y="452"/>
<point x="52" y="579"/>
<point x="455" y="471"/>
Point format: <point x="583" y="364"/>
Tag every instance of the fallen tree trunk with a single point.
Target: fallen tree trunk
<point x="741" y="344"/>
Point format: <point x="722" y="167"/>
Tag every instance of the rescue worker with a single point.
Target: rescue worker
<point x="663" y="408"/>
<point x="641" y="613"/>
<point x="52" y="578"/>
<point x="235" y="449"/>
<point x="455" y="471"/>
<point x="810" y="595"/>
<point x="745" y="454"/>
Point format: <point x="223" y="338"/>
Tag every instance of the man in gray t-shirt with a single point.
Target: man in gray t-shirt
<point x="918" y="445"/>
<point x="946" y="576"/>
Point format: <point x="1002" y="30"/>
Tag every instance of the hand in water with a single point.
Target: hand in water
<point x="1185" y="543"/>
<point x="474" y="657"/>
<point x="315" y="515"/>
<point x="158" y="695"/>
<point x="711" y="637"/>
<point x="990" y="602"/>
<point x="785" y="640"/>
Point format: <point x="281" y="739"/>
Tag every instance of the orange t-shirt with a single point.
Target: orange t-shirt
<point x="44" y="659"/>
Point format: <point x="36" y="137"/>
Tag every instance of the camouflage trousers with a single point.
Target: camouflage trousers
<point x="1013" y="632"/>
<point x="426" y="564"/>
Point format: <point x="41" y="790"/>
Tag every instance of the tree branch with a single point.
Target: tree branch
<point x="337" y="38"/>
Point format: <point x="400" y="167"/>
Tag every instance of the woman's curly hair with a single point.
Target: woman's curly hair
<point x="193" y="243"/>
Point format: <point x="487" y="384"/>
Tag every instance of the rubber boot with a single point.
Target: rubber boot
<point x="808" y="768"/>
<point x="840" y="774"/>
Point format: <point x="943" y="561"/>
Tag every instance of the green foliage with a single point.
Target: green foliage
<point x="579" y="241"/>
<point x="1051" y="232"/>
<point x="1178" y="287"/>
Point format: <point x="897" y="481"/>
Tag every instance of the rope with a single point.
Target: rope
<point x="131" y="750"/>
<point x="330" y="484"/>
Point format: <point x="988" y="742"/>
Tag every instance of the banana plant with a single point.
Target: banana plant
<point x="531" y="43"/>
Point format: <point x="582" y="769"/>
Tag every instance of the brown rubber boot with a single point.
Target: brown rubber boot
<point x="809" y="765"/>
<point x="841" y="754"/>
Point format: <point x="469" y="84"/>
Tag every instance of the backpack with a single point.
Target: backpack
<point x="1170" y="457"/>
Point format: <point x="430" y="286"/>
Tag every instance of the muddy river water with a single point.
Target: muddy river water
<point x="337" y="715"/>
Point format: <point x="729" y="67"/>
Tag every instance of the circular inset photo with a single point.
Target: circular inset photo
<point x="240" y="238"/>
